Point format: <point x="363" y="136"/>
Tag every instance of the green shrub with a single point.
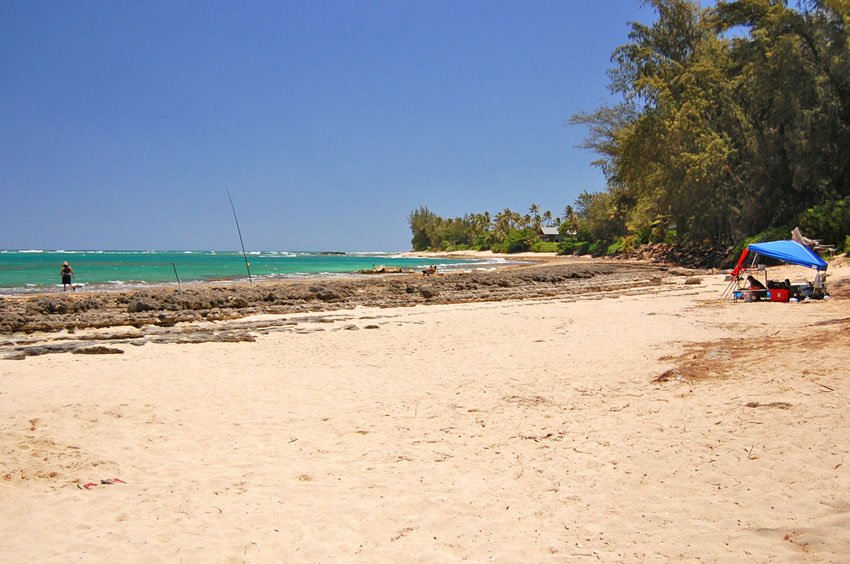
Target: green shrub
<point x="630" y="244"/>
<point x="829" y="222"/>
<point x="566" y="247"/>
<point x="624" y="245"/>
<point x="483" y="241"/>
<point x="545" y="247"/>
<point x="846" y="244"/>
<point x="517" y="241"/>
<point x="516" y="244"/>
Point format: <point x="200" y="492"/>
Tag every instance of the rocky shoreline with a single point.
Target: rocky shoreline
<point x="168" y="306"/>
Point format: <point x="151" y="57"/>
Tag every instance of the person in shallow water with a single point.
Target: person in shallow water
<point x="67" y="273"/>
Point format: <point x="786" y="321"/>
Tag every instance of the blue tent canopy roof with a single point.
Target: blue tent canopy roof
<point x="789" y="251"/>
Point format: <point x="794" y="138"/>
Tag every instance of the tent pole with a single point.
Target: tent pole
<point x="735" y="275"/>
<point x="752" y="264"/>
<point x="728" y="291"/>
<point x="755" y="258"/>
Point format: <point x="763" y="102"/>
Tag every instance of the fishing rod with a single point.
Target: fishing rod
<point x="175" y="274"/>
<point x="241" y="242"/>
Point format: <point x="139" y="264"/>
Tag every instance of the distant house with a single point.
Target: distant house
<point x="550" y="234"/>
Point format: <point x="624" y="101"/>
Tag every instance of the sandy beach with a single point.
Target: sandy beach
<point x="608" y="418"/>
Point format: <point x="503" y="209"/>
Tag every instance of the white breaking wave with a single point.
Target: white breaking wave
<point x="373" y="253"/>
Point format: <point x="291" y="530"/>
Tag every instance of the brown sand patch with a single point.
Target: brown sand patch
<point x="739" y="356"/>
<point x="25" y="458"/>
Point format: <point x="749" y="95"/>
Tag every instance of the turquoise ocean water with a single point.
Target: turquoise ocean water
<point x="29" y="271"/>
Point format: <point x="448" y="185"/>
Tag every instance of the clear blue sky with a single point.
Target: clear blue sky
<point x="329" y="121"/>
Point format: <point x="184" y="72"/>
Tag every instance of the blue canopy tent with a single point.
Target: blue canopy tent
<point x="790" y="252"/>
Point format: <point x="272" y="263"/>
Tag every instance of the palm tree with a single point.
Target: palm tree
<point x="534" y="211"/>
<point x="516" y="220"/>
<point x="503" y="222"/>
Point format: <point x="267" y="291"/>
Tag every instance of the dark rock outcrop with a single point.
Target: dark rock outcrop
<point x="168" y="306"/>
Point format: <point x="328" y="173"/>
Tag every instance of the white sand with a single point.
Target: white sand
<point x="512" y="431"/>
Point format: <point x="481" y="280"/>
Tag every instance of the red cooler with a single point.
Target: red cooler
<point x="780" y="295"/>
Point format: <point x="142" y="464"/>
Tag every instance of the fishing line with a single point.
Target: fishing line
<point x="241" y="242"/>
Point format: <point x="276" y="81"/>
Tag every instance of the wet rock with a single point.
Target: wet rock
<point x="166" y="320"/>
<point x="238" y="302"/>
<point x="100" y="349"/>
<point x="11" y="322"/>
<point x="23" y="352"/>
<point x="235" y="338"/>
<point x="47" y="305"/>
<point x="204" y="337"/>
<point x="140" y="304"/>
<point x="328" y="296"/>
<point x="676" y="271"/>
<point x="89" y="303"/>
<point x="155" y="308"/>
<point x="428" y="293"/>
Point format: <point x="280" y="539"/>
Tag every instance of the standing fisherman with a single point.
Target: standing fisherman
<point x="67" y="273"/>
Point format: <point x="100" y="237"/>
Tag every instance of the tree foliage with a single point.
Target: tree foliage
<point x="831" y="221"/>
<point x="730" y="121"/>
<point x="507" y="231"/>
<point x="733" y="119"/>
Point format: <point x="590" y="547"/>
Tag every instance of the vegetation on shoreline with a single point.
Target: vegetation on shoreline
<point x="506" y="232"/>
<point x="733" y="124"/>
